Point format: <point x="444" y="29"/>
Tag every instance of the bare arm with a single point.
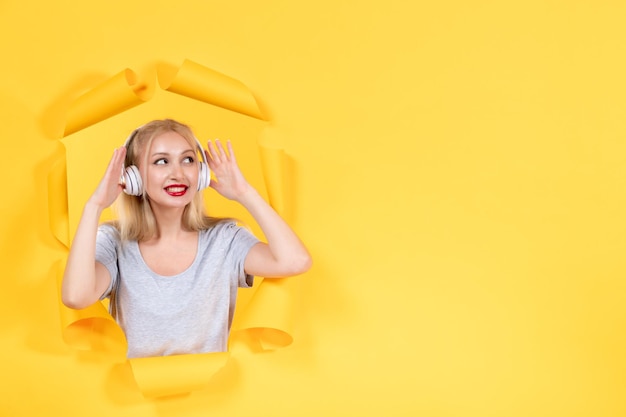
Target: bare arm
<point x="284" y="254"/>
<point x="85" y="280"/>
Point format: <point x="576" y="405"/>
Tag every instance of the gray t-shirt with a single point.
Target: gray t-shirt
<point x="187" y="313"/>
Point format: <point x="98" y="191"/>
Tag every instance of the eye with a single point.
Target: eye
<point x="160" y="161"/>
<point x="189" y="160"/>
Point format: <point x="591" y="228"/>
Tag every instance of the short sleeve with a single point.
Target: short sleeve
<point x="107" y="241"/>
<point x="241" y="241"/>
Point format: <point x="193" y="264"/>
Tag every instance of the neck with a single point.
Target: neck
<point x="169" y="223"/>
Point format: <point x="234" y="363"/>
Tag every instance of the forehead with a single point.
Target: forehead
<point x="170" y="142"/>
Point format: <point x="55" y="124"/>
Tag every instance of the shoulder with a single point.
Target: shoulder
<point x="109" y="232"/>
<point x="221" y="228"/>
<point x="110" y="228"/>
<point x="226" y="231"/>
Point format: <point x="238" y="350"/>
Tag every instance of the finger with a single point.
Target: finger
<point x="115" y="163"/>
<point x="116" y="167"/>
<point x="223" y="152"/>
<point x="231" y="151"/>
<point x="121" y="155"/>
<point x="212" y="150"/>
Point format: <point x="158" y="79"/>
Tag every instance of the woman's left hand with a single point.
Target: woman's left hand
<point x="229" y="181"/>
<point x="284" y="254"/>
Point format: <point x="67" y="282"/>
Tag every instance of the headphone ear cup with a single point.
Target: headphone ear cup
<point x="204" y="176"/>
<point x="133" y="185"/>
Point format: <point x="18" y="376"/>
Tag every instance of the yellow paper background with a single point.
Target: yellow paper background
<point x="459" y="177"/>
<point x="213" y="104"/>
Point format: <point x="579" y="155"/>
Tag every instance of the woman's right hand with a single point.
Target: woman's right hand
<point x="110" y="187"/>
<point x="85" y="279"/>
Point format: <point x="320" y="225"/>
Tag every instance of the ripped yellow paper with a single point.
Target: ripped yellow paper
<point x="111" y="97"/>
<point x="97" y="123"/>
<point x="201" y="83"/>
<point x="272" y="327"/>
<point x="91" y="328"/>
<point x="176" y="374"/>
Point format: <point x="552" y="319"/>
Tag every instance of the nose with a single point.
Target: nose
<point x="176" y="170"/>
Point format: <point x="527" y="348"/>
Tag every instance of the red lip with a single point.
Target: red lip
<point x="176" y="190"/>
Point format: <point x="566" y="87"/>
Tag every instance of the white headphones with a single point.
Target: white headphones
<point x="133" y="184"/>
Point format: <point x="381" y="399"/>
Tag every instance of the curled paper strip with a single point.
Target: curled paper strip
<point x="268" y="314"/>
<point x="272" y="327"/>
<point x="115" y="95"/>
<point x="204" y="84"/>
<point x="91" y="328"/>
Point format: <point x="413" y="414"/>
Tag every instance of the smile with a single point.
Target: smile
<point x="176" y="190"/>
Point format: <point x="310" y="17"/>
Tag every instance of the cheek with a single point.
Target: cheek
<point x="192" y="172"/>
<point x="153" y="175"/>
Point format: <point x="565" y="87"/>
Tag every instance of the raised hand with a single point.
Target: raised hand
<point x="109" y="187"/>
<point x="284" y="254"/>
<point x="229" y="181"/>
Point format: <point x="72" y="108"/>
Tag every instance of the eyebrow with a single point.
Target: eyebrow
<point x="168" y="153"/>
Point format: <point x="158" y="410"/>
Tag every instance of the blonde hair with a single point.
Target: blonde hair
<point x="136" y="220"/>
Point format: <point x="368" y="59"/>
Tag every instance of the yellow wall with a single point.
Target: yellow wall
<point x="460" y="176"/>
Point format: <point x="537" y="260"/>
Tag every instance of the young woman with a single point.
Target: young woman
<point x="172" y="272"/>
